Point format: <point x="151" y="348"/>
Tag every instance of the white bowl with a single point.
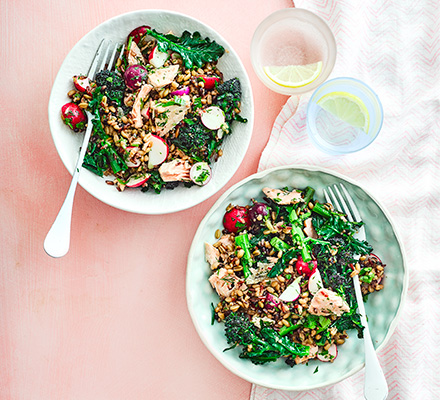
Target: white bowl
<point x="68" y="143"/>
<point x="382" y="308"/>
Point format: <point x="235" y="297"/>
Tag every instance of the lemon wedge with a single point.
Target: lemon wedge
<point x="293" y="75"/>
<point x="347" y="107"/>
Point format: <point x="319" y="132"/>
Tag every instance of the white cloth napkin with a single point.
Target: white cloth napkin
<point x="394" y="47"/>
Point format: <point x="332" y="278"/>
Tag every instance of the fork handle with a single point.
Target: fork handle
<point x="375" y="386"/>
<point x="57" y="240"/>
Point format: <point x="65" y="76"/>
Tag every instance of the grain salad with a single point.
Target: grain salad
<point x="161" y="117"/>
<point x="282" y="268"/>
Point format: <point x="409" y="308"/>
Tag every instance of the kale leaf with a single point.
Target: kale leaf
<point x="333" y="225"/>
<point x="335" y="272"/>
<point x="229" y="99"/>
<point x="101" y="154"/>
<point x="113" y="83"/>
<point x="283" y="262"/>
<point x="194" y="50"/>
<point x="95" y="160"/>
<point x="260" y="345"/>
<point x="155" y="181"/>
<point x="350" y="320"/>
<point x="195" y="140"/>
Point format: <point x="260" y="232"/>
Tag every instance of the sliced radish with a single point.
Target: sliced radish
<point x="130" y="163"/>
<point x="159" y="151"/>
<point x="213" y="117"/>
<point x="82" y="83"/>
<point x="328" y="355"/>
<point x="181" y="92"/>
<point x="145" y="112"/>
<point x="137" y="180"/>
<point x="157" y="58"/>
<point x="200" y="173"/>
<point x="271" y="301"/>
<point x="292" y="292"/>
<point x="209" y="81"/>
<point x="374" y="255"/>
<point x="315" y="282"/>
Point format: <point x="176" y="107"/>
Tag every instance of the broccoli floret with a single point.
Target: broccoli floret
<point x="171" y="185"/>
<point x="239" y="330"/>
<point x="231" y="86"/>
<point x="114" y="85"/>
<point x="195" y="140"/>
<point x="229" y="98"/>
<point x="260" y="345"/>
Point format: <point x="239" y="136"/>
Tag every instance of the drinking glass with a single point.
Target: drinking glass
<point x="333" y="131"/>
<point x="292" y="37"/>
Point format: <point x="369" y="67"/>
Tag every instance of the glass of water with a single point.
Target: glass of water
<point x="293" y="51"/>
<point x="344" y="115"/>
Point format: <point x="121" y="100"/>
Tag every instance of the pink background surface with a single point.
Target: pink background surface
<point x="109" y="320"/>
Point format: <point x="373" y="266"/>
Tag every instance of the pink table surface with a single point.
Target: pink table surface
<point x="109" y="320"/>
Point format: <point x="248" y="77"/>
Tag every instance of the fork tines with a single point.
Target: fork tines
<point x="105" y="57"/>
<point x="340" y="201"/>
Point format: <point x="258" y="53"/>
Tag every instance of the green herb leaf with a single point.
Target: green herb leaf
<point x="194" y="50"/>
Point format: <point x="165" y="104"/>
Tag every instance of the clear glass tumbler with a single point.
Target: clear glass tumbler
<point x="293" y="37"/>
<point x="344" y="115"/>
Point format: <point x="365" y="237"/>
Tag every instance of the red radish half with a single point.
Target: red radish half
<point x="181" y="92"/>
<point x="315" y="282"/>
<point x="157" y="58"/>
<point x="213" y="117"/>
<point x="135" y="76"/>
<point x="236" y="219"/>
<point x="329" y="355"/>
<point x="138" y="33"/>
<point x="293" y="291"/>
<point x="159" y="151"/>
<point x="200" y="173"/>
<point x="137" y="180"/>
<point x="73" y="116"/>
<point x="209" y="81"/>
<point x="82" y="83"/>
<point x="307" y="268"/>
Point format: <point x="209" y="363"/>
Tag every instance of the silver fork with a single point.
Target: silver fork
<point x="375" y="384"/>
<point x="57" y="240"/>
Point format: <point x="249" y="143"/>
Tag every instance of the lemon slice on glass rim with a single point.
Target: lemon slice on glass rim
<point x="347" y="107"/>
<point x="293" y="75"/>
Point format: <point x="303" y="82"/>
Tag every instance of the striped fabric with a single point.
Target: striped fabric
<point x="393" y="46"/>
